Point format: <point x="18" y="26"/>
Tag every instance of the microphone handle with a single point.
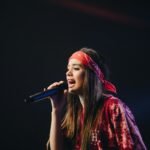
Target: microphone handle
<point x="45" y="94"/>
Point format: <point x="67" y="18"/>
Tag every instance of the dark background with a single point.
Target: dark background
<point x="37" y="39"/>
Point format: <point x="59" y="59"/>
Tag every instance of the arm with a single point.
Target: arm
<point x="55" y="141"/>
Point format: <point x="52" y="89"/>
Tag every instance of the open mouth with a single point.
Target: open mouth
<point x="71" y="83"/>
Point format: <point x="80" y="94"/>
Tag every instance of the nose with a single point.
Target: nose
<point x="68" y="73"/>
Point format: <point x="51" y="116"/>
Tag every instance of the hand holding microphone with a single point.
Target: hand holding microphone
<point x="54" y="89"/>
<point x="58" y="100"/>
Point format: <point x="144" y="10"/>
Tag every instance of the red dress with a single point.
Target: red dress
<point x="117" y="131"/>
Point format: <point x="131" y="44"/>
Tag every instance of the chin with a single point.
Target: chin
<point x="74" y="91"/>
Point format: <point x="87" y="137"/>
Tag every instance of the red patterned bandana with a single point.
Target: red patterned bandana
<point x="87" y="61"/>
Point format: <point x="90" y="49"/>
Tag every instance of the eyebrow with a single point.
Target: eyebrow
<point x="75" y="65"/>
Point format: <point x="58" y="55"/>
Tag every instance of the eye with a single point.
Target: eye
<point x="76" y="68"/>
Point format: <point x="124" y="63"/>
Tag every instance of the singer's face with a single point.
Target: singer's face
<point x="75" y="76"/>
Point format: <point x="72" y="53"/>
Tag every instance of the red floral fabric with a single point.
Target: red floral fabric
<point x="117" y="131"/>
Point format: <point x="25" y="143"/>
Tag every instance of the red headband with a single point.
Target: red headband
<point x="87" y="61"/>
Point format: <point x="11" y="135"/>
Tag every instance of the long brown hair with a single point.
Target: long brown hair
<point x="93" y="101"/>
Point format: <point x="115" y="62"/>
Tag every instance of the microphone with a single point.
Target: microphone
<point x="45" y="94"/>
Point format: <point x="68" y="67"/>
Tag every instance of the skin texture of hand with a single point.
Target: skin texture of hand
<point x="58" y="100"/>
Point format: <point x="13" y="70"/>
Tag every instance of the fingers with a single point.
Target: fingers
<point x="57" y="100"/>
<point x="55" y="84"/>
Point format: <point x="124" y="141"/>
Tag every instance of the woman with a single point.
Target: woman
<point x="87" y="115"/>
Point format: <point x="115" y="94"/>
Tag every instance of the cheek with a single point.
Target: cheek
<point x="80" y="78"/>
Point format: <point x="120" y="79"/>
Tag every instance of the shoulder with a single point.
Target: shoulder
<point x="111" y="101"/>
<point x="113" y="104"/>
